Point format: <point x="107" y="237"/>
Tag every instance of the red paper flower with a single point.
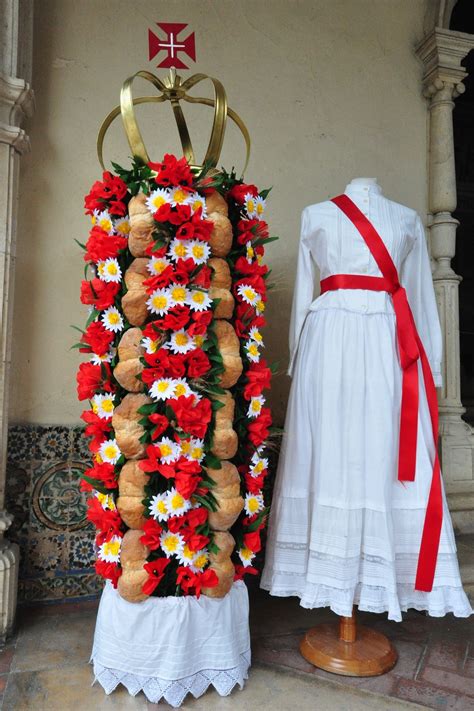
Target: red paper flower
<point x="252" y="541"/>
<point x="105" y="473"/>
<point x="151" y="534"/>
<point x="198" y="363"/>
<point x="101" y="245"/>
<point x="192" y="417"/>
<point x="258" y="379"/>
<point x="90" y="380"/>
<point x="97" y="339"/>
<point x="99" y="293"/>
<point x="258" y="429"/>
<point x="238" y="192"/>
<point x="107" y="521"/>
<point x="161" y="424"/>
<point x="172" y="171"/>
<point x="155" y="570"/>
<point x="152" y="462"/>
<point x="97" y="428"/>
<point x="109" y="571"/>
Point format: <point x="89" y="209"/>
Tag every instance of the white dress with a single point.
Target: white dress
<point x="343" y="530"/>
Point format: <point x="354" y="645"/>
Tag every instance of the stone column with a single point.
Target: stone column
<point x="441" y="52"/>
<point x="16" y="104"/>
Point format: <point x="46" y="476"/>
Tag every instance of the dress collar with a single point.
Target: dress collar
<point x="361" y="188"/>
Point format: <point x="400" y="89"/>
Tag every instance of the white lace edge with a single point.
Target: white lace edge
<point x="174" y="691"/>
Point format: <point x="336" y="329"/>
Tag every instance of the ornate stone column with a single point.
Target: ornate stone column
<point x="16" y="103"/>
<point x="441" y="52"/>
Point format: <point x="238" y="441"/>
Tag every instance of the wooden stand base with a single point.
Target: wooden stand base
<point x="348" y="649"/>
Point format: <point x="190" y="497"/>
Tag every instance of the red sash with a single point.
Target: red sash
<point x="410" y="349"/>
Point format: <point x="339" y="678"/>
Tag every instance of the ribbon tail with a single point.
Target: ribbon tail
<point x="431" y="534"/>
<point x="408" y="423"/>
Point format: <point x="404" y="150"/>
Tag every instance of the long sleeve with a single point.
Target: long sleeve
<point x="304" y="289"/>
<point x="417" y="279"/>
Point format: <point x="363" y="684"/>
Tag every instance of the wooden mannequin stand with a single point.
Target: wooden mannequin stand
<point x="348" y="648"/>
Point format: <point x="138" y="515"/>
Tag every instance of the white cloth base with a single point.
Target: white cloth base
<point x="169" y="647"/>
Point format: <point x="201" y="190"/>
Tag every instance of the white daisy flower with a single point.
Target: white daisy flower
<point x="255" y="406"/>
<point x="250" y="205"/>
<point x="170" y="451"/>
<point x="246" y="556"/>
<point x="122" y="226"/>
<point x="185" y="445"/>
<point x="186" y="555"/>
<point x="104" y="221"/>
<point x="150" y="345"/>
<point x="171" y="543"/>
<point x="199" y="339"/>
<point x="256" y="336"/>
<point x="109" y="271"/>
<point x="199" y="251"/>
<point x="197" y="202"/>
<point x="250" y="253"/>
<point x="157" y="265"/>
<point x="112" y="319"/>
<point x="157" y="198"/>
<point x="180" y="342"/>
<point x="260" y="204"/>
<point x="179" y="196"/>
<point x="200" y="560"/>
<point x="176" y="503"/>
<point x="178" y="295"/>
<point x="181" y="387"/>
<point x="260" y="306"/>
<point x="158" y="508"/>
<point x="162" y="389"/>
<point x="110" y="451"/>
<point x="109" y="551"/>
<point x="159" y="302"/>
<point x="253" y="503"/>
<point x="258" y="465"/>
<point x="105" y="358"/>
<point x="252" y="351"/>
<point x="199" y="300"/>
<point x="196" y="450"/>
<point x="106" y="501"/>
<point x="178" y="249"/>
<point x="248" y="294"/>
<point x="103" y="406"/>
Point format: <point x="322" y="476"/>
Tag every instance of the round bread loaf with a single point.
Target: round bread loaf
<point x="134" y="301"/>
<point x="129" y="367"/>
<point x="133" y="556"/>
<point x="225" y="441"/>
<point x="229" y="347"/>
<point x="128" y="430"/>
<point x="132" y="481"/>
<point x="142" y="225"/>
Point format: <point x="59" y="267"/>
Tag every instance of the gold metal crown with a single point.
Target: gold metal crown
<point x="174" y="90"/>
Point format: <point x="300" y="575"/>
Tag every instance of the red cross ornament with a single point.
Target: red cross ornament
<point x="172" y="45"/>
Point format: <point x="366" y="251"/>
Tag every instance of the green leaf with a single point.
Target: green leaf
<point x="76" y="328"/>
<point x="96" y="483"/>
<point x="212" y="461"/>
<point x="81" y="244"/>
<point x="92" y="317"/>
<point x="147" y="409"/>
<point x="264" y="193"/>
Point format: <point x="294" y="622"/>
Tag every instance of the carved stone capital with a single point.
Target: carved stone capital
<point x="6" y="520"/>
<point x="15" y="137"/>
<point x="16" y="100"/>
<point x="442" y="52"/>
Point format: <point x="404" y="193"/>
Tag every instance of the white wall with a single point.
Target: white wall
<point x="329" y="89"/>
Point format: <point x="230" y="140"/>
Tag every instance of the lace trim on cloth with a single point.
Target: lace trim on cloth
<point x="174" y="692"/>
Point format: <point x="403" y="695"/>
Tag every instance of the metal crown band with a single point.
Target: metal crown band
<point x="174" y="90"/>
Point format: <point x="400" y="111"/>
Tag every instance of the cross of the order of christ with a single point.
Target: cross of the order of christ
<point x="172" y="45"/>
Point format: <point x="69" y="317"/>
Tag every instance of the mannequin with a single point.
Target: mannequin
<point x="358" y="502"/>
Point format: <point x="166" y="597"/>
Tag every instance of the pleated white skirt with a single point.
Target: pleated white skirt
<point x="343" y="530"/>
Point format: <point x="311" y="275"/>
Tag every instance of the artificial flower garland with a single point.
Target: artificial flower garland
<point x="166" y="397"/>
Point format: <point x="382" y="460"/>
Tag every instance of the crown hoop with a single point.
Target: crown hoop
<point x="174" y="90"/>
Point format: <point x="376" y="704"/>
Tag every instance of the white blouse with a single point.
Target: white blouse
<point x="331" y="244"/>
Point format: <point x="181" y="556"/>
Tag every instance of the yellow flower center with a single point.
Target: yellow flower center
<point x="107" y="405"/>
<point x="165" y="450"/>
<point x="260" y="208"/>
<point x="158" y="201"/>
<point x="162" y="386"/>
<point x="114" y="318"/>
<point x="199" y="297"/>
<point x="258" y="467"/>
<point x="112" y="269"/>
<point x="198" y="340"/>
<point x="260" y="306"/>
<point x="253" y="350"/>
<point x="250" y="205"/>
<point x="200" y="560"/>
<point x="181" y="339"/>
<point x="250" y="294"/>
<point x="177" y="501"/>
<point x="179" y="196"/>
<point x="187" y="552"/>
<point x="253" y="505"/>
<point x="180" y="389"/>
<point x="110" y="451"/>
<point x="180" y="250"/>
<point x="198" y="251"/>
<point x="160" y="302"/>
<point x="256" y="406"/>
<point x="178" y="293"/>
<point x="161" y="506"/>
<point x="196" y="453"/>
<point x="257" y="336"/>
<point x="159" y="266"/>
<point x="106" y="224"/>
<point x="123" y="228"/>
<point x="172" y="543"/>
<point x="112" y="548"/>
<point x="246" y="553"/>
